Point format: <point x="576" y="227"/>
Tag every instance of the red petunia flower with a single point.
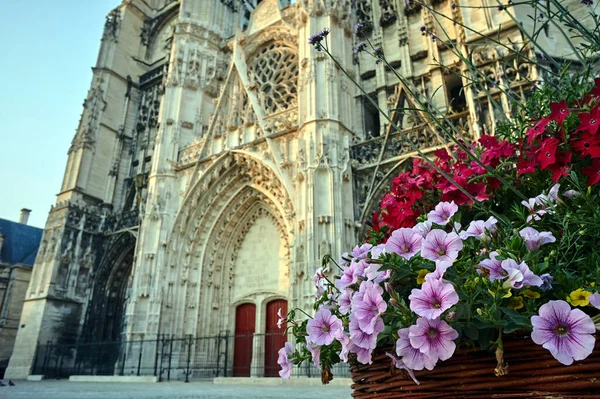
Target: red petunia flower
<point x="457" y="196"/>
<point x="587" y="145"/>
<point x="590" y="121"/>
<point x="596" y="90"/>
<point x="592" y="172"/>
<point x="547" y="152"/>
<point x="488" y="141"/>
<point x="558" y="112"/>
<point x="538" y="129"/>
<point x="478" y="190"/>
<point x="462" y="173"/>
<point x="562" y="165"/>
<point x="526" y="165"/>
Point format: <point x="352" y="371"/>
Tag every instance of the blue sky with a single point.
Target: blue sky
<point x="48" y="49"/>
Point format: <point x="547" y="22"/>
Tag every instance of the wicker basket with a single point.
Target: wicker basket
<point x="532" y="373"/>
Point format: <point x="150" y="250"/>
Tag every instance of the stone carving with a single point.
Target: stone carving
<point x="93" y="106"/>
<point x="388" y="12"/>
<point x="364" y="15"/>
<point x="112" y="25"/>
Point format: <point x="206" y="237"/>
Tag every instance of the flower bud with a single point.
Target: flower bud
<point x="388" y="288"/>
<point x="451" y="316"/>
<point x="395" y="303"/>
<point x="480" y="311"/>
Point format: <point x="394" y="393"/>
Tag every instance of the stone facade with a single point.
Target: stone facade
<point x="219" y="157"/>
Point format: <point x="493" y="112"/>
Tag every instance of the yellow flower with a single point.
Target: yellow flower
<point x="508" y="294"/>
<point x="516" y="302"/>
<point x="421" y="276"/>
<point x="531" y="294"/>
<point x="579" y="297"/>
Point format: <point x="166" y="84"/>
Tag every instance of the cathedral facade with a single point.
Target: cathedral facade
<point x="219" y="157"/>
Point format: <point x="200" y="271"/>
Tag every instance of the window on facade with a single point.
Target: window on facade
<point x="371" y="119"/>
<point x="275" y="72"/>
<point x="455" y="93"/>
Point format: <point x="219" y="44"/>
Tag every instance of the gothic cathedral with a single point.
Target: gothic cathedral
<point x="219" y="157"/>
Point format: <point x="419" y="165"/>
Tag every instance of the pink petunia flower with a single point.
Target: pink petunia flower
<point x="368" y="305"/>
<point x="570" y="194"/>
<point x="494" y="266"/>
<point x="362" y="251"/>
<point x="399" y="364"/>
<point x="345" y="341"/>
<point x="412" y="357"/>
<point x="344" y="301"/>
<point x="433" y="299"/>
<point x="323" y="327"/>
<point x="595" y="300"/>
<point x="482" y="230"/>
<point x="434" y="338"/>
<point x="377" y="251"/>
<point x="350" y="274"/>
<point x="441" y="247"/>
<point x="404" y="242"/>
<point x="315" y="351"/>
<point x="362" y="339"/>
<point x="534" y="239"/>
<point x="565" y="332"/>
<point x="442" y="213"/>
<point x="363" y="355"/>
<point x="284" y="361"/>
<point x="519" y="275"/>
<point x="423" y="228"/>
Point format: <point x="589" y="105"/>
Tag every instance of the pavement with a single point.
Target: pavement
<point x="64" y="389"/>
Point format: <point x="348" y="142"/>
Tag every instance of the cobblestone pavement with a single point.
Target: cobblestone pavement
<point x="172" y="390"/>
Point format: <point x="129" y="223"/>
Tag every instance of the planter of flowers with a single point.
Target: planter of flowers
<point x="480" y="276"/>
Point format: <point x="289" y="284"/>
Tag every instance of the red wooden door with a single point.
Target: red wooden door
<point x="275" y="337"/>
<point x="245" y="322"/>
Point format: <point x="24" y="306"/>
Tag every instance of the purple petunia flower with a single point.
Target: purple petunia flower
<point x="377" y="251"/>
<point x="565" y="332"/>
<point x="434" y="338"/>
<point x="534" y="239"/>
<point x="362" y="251"/>
<point x="423" y="228"/>
<point x="570" y="194"/>
<point x="350" y="274"/>
<point x="345" y="341"/>
<point x="362" y="339"/>
<point x="363" y="355"/>
<point x="315" y="351"/>
<point x="324" y="327"/>
<point x="595" y="300"/>
<point x="399" y="364"/>
<point x="412" y="357"/>
<point x="344" y="301"/>
<point x="519" y="275"/>
<point x="442" y="213"/>
<point x="441" y="247"/>
<point x="284" y="361"/>
<point x="546" y="282"/>
<point x="404" y="242"/>
<point x="433" y="299"/>
<point x="494" y="266"/>
<point x="368" y="305"/>
<point x="480" y="229"/>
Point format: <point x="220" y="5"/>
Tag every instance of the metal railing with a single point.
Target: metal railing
<point x="171" y="358"/>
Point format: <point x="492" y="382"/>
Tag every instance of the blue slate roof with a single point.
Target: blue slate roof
<point x="21" y="242"/>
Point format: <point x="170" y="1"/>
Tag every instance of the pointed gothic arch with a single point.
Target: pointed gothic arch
<point x="220" y="211"/>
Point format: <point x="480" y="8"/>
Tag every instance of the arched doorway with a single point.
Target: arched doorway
<point x="245" y="326"/>
<point x="274" y="336"/>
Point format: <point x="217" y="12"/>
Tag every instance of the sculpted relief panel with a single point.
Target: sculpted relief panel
<point x="260" y="263"/>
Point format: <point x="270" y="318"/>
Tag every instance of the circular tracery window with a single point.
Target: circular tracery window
<point x="275" y="71"/>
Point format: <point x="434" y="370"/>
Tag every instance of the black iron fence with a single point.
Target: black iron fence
<point x="171" y="358"/>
